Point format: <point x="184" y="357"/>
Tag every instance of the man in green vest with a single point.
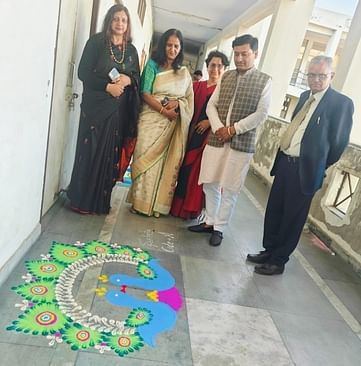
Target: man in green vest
<point x="237" y="107"/>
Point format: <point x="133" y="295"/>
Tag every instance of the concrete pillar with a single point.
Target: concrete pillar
<point x="239" y="31"/>
<point x="333" y="43"/>
<point x="260" y="30"/>
<point x="306" y="55"/>
<point x="285" y="37"/>
<point x="348" y="70"/>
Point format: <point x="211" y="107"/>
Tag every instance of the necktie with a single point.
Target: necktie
<point x="295" y="123"/>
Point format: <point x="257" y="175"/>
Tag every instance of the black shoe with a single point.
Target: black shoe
<point x="269" y="269"/>
<point x="201" y="228"/>
<point x="216" y="238"/>
<point x="259" y="258"/>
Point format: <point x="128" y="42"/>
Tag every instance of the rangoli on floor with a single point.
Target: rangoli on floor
<point x="50" y="309"/>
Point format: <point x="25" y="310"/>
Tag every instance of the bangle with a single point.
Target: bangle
<point x="229" y="131"/>
<point x="161" y="110"/>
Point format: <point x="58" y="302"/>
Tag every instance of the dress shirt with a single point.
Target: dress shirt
<point x="295" y="146"/>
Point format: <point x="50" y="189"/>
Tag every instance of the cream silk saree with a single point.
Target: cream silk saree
<point x="161" y="145"/>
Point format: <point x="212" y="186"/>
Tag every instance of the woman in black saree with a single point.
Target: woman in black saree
<point x="109" y="70"/>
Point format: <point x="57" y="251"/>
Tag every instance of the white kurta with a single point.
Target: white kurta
<point x="223" y="165"/>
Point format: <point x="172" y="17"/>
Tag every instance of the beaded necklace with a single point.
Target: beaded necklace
<point x="113" y="56"/>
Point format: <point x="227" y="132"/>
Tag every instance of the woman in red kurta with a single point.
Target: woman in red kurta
<point x="188" y="200"/>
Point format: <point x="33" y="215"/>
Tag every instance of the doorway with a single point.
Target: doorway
<point x="74" y="25"/>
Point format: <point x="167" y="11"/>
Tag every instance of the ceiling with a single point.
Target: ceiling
<point x="198" y="20"/>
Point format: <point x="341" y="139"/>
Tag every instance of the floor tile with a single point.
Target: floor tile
<point x="64" y="356"/>
<point x="350" y="294"/>
<point x="90" y="359"/>
<point x="231" y="335"/>
<point x="220" y="282"/>
<point x="317" y="341"/>
<point x="294" y="292"/>
<point x="20" y="354"/>
<point x="329" y="267"/>
<point x="258" y="188"/>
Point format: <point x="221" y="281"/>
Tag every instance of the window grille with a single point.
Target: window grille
<point x="345" y="192"/>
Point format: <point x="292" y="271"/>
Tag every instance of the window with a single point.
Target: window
<point x="142" y="5"/>
<point x="341" y="193"/>
<point x="299" y="78"/>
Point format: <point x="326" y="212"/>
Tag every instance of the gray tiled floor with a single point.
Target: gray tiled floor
<point x="220" y="282"/>
<point x="225" y="334"/>
<point x="318" y="341"/>
<point x="230" y="316"/>
<point x="19" y="354"/>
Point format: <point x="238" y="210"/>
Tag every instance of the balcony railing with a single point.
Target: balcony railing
<point x="299" y="79"/>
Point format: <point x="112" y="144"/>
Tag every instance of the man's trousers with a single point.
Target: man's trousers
<point x="286" y="211"/>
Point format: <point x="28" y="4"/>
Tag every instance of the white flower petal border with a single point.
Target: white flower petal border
<point x="68" y="305"/>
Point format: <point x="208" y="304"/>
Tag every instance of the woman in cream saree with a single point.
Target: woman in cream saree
<point x="162" y="130"/>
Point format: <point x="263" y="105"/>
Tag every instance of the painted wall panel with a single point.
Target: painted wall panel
<point x="27" y="37"/>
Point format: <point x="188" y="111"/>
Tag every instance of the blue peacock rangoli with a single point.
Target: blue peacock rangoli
<point x="50" y="309"/>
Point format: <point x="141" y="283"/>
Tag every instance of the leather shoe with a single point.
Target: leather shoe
<point x="259" y="258"/>
<point x="216" y="238"/>
<point x="201" y="228"/>
<point x="269" y="269"/>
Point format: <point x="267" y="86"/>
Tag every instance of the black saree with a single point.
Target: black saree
<point x="105" y="124"/>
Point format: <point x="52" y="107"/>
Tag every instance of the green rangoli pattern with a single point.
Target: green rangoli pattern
<point x="50" y="310"/>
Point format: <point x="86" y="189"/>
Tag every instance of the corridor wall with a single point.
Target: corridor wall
<point x="27" y="37"/>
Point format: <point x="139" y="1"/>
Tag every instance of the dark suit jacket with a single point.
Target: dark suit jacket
<point x="325" y="138"/>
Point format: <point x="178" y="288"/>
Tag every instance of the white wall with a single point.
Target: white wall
<point x="27" y="38"/>
<point x="81" y="36"/>
<point x="60" y="102"/>
<point x="142" y="34"/>
<point x="348" y="70"/>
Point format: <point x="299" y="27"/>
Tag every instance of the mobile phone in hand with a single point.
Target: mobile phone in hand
<point x="164" y="101"/>
<point x="113" y="74"/>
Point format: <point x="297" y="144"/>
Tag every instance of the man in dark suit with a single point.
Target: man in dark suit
<point x="315" y="139"/>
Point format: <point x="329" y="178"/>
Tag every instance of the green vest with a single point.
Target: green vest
<point x="248" y="94"/>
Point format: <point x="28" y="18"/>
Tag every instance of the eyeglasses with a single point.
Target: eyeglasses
<point x="321" y="77"/>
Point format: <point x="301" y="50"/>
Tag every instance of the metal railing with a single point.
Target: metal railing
<point x="299" y="79"/>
